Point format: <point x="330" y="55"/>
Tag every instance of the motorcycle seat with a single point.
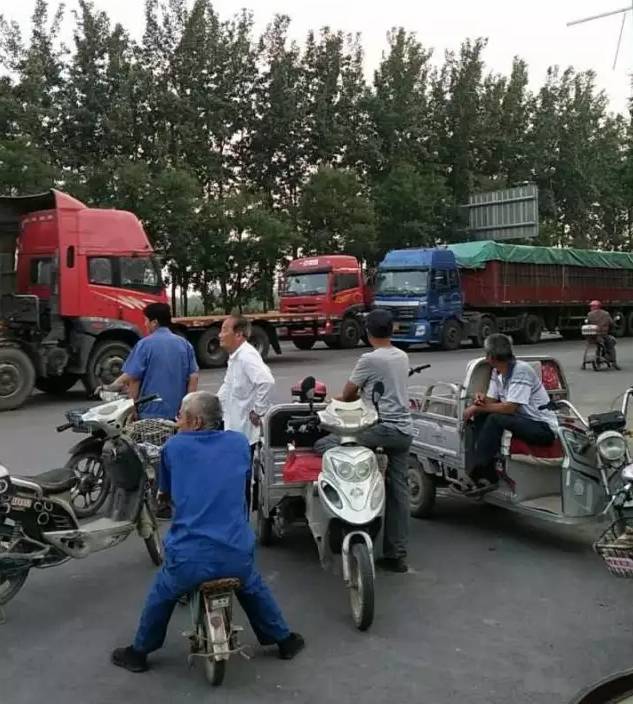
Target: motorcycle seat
<point x="220" y="586"/>
<point x="55" y="481"/>
<point x="548" y="455"/>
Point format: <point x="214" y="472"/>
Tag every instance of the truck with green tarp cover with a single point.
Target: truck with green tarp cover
<point x="446" y="295"/>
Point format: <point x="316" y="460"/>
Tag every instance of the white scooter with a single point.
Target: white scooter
<point x="38" y="527"/>
<point x="343" y="504"/>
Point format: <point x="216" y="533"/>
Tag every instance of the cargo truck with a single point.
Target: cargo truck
<point x="334" y="289"/>
<point x="447" y="295"/>
<point x="73" y="285"/>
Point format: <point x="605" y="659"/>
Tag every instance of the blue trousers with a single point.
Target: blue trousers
<point x="178" y="577"/>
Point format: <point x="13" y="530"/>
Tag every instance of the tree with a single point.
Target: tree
<point x="413" y="208"/>
<point x="336" y="215"/>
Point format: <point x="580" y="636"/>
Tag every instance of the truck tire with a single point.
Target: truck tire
<point x="304" y="343"/>
<point x="56" y="385"/>
<point x="451" y="335"/>
<point x="17" y="378"/>
<point x="487" y="326"/>
<point x="106" y="363"/>
<point x="532" y="330"/>
<point x="210" y="354"/>
<point x="350" y="333"/>
<point x="260" y="341"/>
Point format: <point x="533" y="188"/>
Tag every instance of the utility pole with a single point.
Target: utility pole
<point x="623" y="11"/>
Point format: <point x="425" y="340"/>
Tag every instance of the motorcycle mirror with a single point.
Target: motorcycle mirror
<point x="308" y="385"/>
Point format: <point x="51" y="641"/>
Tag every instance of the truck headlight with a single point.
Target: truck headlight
<point x="611" y="446"/>
<point x="420" y="330"/>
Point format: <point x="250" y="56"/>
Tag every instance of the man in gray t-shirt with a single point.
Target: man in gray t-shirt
<point x="394" y="432"/>
<point x="513" y="402"/>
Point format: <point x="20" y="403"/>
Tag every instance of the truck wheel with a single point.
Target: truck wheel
<point x="56" y="385"/>
<point x="106" y="363"/>
<point x="487" y="326"/>
<point x="451" y="336"/>
<point x="532" y="330"/>
<point x="210" y="354"/>
<point x="349" y="334"/>
<point x="17" y="378"/>
<point x="619" y="323"/>
<point x="260" y="341"/>
<point x="304" y="343"/>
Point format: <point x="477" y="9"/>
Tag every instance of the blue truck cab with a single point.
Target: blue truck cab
<point x="422" y="289"/>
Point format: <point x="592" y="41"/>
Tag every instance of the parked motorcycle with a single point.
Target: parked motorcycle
<point x="92" y="485"/>
<point x="570" y="482"/>
<point x="38" y="527"/>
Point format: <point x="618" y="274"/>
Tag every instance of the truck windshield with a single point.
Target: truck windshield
<point x="403" y="281"/>
<point x="142" y="273"/>
<point x="306" y="284"/>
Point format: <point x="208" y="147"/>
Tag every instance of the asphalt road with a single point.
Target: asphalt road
<point x="497" y="608"/>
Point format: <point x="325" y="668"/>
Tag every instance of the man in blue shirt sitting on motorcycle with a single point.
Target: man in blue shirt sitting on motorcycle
<point x="203" y="472"/>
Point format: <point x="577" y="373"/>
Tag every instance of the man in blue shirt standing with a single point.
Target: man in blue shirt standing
<point x="161" y="363"/>
<point x="203" y="472"/>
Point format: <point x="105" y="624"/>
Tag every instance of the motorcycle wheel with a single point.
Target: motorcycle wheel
<point x="154" y="543"/>
<point x="11" y="585"/>
<point x="361" y="591"/>
<point x="214" y="670"/>
<point x="92" y="486"/>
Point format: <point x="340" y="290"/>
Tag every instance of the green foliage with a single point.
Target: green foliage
<point x="239" y="152"/>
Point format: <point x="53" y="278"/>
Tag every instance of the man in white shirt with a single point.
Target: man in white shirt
<point x="514" y="401"/>
<point x="245" y="393"/>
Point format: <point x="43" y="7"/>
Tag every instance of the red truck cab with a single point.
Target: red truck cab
<point x="333" y="288"/>
<point x="73" y="308"/>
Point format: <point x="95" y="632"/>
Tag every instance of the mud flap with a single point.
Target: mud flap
<point x="345" y="550"/>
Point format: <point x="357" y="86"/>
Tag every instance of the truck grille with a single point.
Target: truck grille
<point x="402" y="312"/>
<point x="301" y="308"/>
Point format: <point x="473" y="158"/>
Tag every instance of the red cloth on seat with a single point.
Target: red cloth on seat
<point x="550" y="376"/>
<point x="302" y="466"/>
<point x="546" y="452"/>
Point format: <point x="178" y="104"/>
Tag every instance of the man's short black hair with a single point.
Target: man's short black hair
<point x="160" y="312"/>
<point x="379" y="324"/>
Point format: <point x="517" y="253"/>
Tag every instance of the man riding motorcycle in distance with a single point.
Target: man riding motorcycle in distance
<point x="603" y="320"/>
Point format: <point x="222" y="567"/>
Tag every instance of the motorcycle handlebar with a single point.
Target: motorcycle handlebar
<point x="66" y="426"/>
<point x="147" y="399"/>
<point x="417" y="370"/>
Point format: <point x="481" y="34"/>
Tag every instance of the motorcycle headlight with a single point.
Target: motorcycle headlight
<point x="611" y="446"/>
<point x="344" y="471"/>
<point x="363" y="470"/>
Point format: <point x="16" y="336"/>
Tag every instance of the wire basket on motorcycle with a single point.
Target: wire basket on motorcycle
<point x="153" y="431"/>
<point x="74" y="416"/>
<point x="615" y="547"/>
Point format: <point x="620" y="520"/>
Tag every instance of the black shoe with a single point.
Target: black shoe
<point x="163" y="513"/>
<point x="393" y="564"/>
<point x="290" y="646"/>
<point x="130" y="659"/>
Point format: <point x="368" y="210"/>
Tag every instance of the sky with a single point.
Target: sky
<point x="535" y="30"/>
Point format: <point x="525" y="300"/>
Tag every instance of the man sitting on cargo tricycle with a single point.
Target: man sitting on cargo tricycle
<point x="514" y="401"/>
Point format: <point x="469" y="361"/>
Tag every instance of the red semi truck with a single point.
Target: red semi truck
<point x="73" y="284"/>
<point x="333" y="289"/>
